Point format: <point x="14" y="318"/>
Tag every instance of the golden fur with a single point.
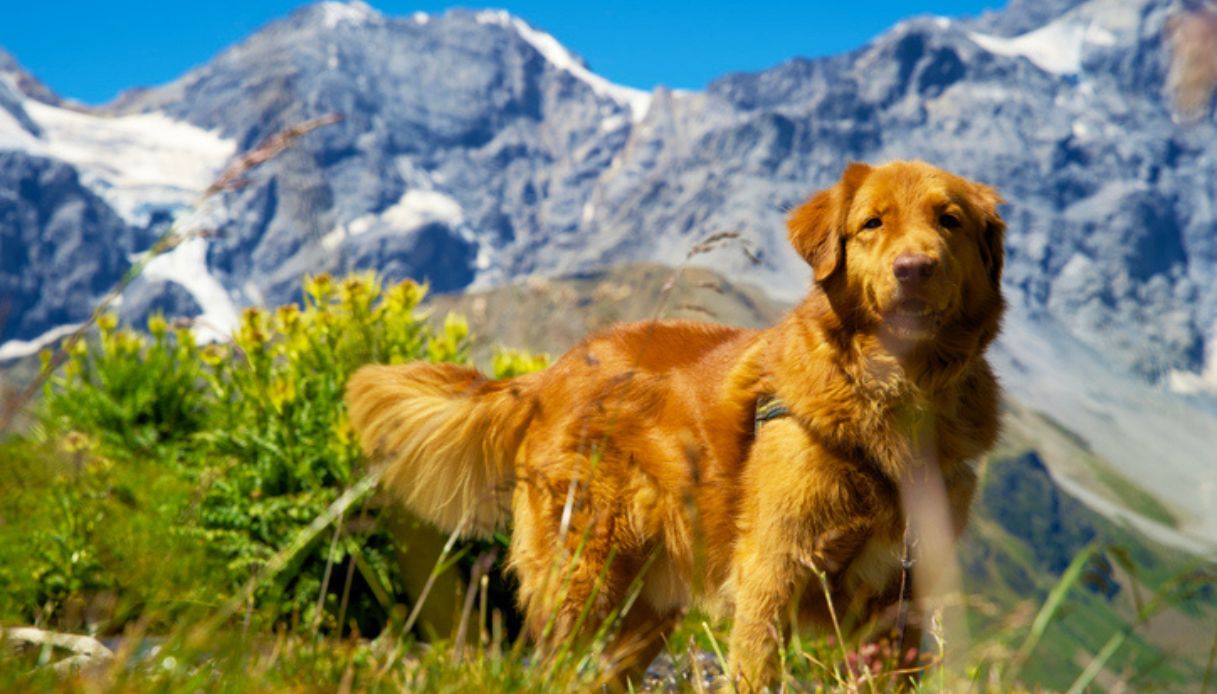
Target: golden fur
<point x="634" y="459"/>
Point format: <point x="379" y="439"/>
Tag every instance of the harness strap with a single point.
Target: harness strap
<point x="769" y="407"/>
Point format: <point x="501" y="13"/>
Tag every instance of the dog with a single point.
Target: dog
<point x="666" y="463"/>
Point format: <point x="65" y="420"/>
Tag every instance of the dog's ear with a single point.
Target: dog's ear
<point x="816" y="227"/>
<point x="993" y="232"/>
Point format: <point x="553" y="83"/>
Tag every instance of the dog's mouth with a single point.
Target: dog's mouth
<point x="912" y="319"/>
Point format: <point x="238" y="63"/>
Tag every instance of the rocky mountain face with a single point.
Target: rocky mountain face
<point x="474" y="149"/>
<point x="60" y="245"/>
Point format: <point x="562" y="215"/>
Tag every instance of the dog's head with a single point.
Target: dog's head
<point x="907" y="250"/>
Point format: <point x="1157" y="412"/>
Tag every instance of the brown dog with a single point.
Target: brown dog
<point x="641" y="461"/>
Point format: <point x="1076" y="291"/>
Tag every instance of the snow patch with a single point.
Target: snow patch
<point x="484" y="258"/>
<point x="419" y="207"/>
<point x="613" y="123"/>
<point x="12" y="135"/>
<point x="17" y="349"/>
<point x="415" y="209"/>
<point x="187" y="266"/>
<point x="334" y="14"/>
<point x="137" y="163"/>
<point x="1192" y="383"/>
<point x="1056" y="47"/>
<point x="636" y="100"/>
<point x="1197" y="383"/>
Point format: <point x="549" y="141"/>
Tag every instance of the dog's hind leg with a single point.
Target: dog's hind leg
<point x="640" y="637"/>
<point x="562" y="550"/>
<point x="577" y="559"/>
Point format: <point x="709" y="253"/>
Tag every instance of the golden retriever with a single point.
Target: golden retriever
<point x="639" y="465"/>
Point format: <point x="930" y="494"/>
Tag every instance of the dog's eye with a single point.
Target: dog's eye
<point x="873" y="223"/>
<point x="949" y="221"/>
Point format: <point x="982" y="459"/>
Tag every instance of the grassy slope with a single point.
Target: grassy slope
<point x="1024" y="531"/>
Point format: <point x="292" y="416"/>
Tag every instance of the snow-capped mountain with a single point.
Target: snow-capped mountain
<point x="475" y="149"/>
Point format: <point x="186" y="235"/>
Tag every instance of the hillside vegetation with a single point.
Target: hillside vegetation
<point x="203" y="511"/>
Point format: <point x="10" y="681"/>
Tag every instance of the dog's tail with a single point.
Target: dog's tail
<point x="447" y="436"/>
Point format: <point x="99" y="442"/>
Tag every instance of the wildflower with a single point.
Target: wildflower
<point x="357" y="292"/>
<point x="449" y="345"/>
<point x="281" y="391"/>
<point x="402" y="297"/>
<point x="157" y="325"/>
<point x="287" y="318"/>
<point x="77" y="442"/>
<point x="185" y="338"/>
<point x="123" y="342"/>
<point x="107" y="322"/>
<point x="214" y="354"/>
<point x="506" y="363"/>
<point x="320" y="287"/>
<point x="252" y="333"/>
<point x="342" y="429"/>
<point x="456" y="328"/>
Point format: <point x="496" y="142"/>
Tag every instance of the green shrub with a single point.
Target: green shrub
<point x="214" y="457"/>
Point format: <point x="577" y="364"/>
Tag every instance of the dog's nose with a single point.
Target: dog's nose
<point x="911" y="268"/>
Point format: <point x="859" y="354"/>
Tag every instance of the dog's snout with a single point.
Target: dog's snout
<point x="911" y="268"/>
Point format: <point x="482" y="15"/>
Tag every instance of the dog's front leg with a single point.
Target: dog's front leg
<point x="804" y="509"/>
<point x="764" y="585"/>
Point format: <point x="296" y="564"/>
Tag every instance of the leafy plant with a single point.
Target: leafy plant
<point x="253" y="440"/>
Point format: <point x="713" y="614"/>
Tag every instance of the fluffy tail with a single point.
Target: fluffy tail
<point x="447" y="436"/>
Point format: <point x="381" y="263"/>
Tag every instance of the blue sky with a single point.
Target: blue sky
<point x="91" y="50"/>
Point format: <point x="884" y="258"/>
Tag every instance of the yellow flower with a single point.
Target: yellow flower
<point x="281" y="391"/>
<point x="185" y="342"/>
<point x="287" y="318"/>
<point x="342" y="429"/>
<point x="456" y="328"/>
<point x="214" y="354"/>
<point x="107" y="322"/>
<point x="157" y="325"/>
<point x="357" y="292"/>
<point x="506" y="363"/>
<point x="448" y="345"/>
<point x="320" y="287"/>
<point x="252" y="333"/>
<point x="123" y="342"/>
<point x="77" y="442"/>
<point x="402" y="297"/>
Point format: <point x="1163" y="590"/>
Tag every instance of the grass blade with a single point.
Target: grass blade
<point x="1056" y="597"/>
